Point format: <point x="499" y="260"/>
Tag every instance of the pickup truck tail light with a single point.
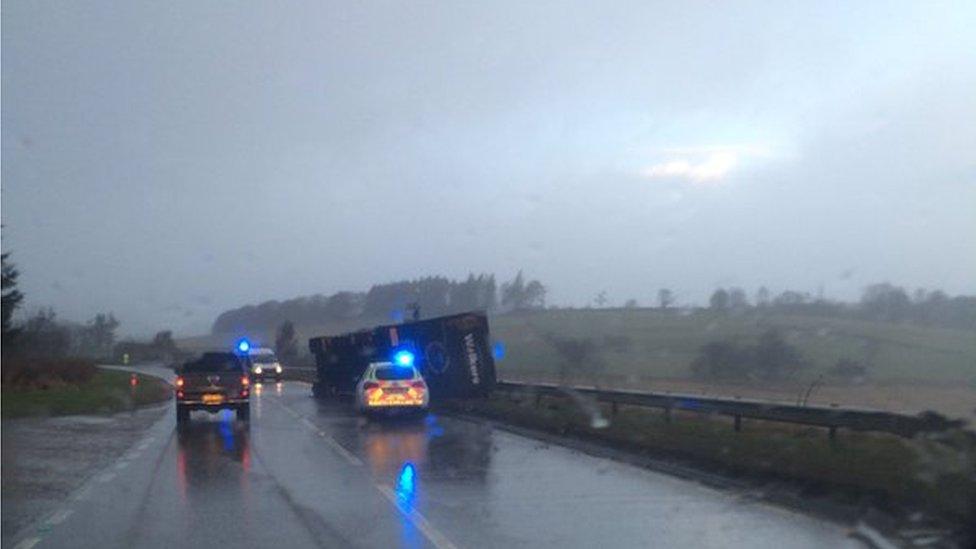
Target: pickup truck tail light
<point x="179" y="382"/>
<point x="245" y="381"/>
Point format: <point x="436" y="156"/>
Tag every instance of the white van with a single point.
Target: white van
<point x="264" y="364"/>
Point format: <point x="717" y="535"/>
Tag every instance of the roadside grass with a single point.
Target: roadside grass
<point x="881" y="469"/>
<point x="662" y="344"/>
<point x="105" y="392"/>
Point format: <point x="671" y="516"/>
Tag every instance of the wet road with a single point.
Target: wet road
<point x="308" y="473"/>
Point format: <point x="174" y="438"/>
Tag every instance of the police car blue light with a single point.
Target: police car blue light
<point x="243" y="345"/>
<point x="403" y="358"/>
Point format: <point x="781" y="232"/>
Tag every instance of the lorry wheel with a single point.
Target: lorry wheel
<point x="244" y="413"/>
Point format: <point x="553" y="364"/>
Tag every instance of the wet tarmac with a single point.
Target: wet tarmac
<point x="308" y="473"/>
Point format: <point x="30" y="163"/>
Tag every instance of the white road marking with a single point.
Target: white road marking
<point x="27" y="543"/>
<point x="122" y="465"/>
<point x="433" y="535"/>
<point x="107" y="477"/>
<point x="346" y="454"/>
<point x="82" y="494"/>
<point x="59" y="517"/>
<point x="353" y="460"/>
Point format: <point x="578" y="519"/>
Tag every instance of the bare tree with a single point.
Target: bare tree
<point x="665" y="298"/>
<point x="719" y="300"/>
<point x="286" y="343"/>
<point x="737" y="298"/>
<point x="762" y="296"/>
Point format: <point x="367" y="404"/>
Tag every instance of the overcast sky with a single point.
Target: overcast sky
<point x="169" y="160"/>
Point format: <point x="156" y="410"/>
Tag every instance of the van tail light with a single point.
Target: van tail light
<point x="245" y="381"/>
<point x="179" y="381"/>
<point x="419" y="384"/>
<point x="179" y="395"/>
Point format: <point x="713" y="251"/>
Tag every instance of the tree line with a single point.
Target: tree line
<point x="395" y="301"/>
<point x="43" y="335"/>
<point x="883" y="302"/>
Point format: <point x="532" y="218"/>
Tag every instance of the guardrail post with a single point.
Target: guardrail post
<point x="613" y="408"/>
<point x="538" y="399"/>
<point x="738" y="423"/>
<point x="832" y="432"/>
<point x="667" y="415"/>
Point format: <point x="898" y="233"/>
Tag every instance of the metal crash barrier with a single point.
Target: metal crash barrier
<point x="829" y="417"/>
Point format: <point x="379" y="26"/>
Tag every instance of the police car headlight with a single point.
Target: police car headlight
<point x="278" y="368"/>
<point x="257" y="370"/>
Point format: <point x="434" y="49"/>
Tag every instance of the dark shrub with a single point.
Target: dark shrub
<point x="44" y="373"/>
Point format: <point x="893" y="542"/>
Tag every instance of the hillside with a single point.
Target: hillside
<point x="649" y="343"/>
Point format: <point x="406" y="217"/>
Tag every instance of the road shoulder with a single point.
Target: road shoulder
<point x="45" y="460"/>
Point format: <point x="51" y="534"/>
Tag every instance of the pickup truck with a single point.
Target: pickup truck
<point x="215" y="381"/>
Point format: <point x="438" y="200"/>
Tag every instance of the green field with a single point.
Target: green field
<point x="661" y="344"/>
<point x="107" y="392"/>
<point x="654" y="344"/>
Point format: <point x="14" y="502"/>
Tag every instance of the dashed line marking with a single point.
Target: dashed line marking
<point x="433" y="535"/>
<point x="121" y="465"/>
<point x="60" y="516"/>
<point x="106" y="477"/>
<point x="353" y="460"/>
<point x="346" y="454"/>
<point x="27" y="543"/>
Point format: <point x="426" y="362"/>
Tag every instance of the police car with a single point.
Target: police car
<point x="395" y="386"/>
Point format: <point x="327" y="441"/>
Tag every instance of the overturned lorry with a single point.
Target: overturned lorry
<point x="453" y="354"/>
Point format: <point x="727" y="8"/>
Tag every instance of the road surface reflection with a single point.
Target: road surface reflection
<point x="213" y="457"/>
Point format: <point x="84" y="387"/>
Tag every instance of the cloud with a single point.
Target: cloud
<point x="714" y="167"/>
<point x="701" y="164"/>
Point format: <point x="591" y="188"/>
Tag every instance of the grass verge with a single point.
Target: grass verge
<point x="937" y="474"/>
<point x="105" y="392"/>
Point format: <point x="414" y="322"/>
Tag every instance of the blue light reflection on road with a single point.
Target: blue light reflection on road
<point x="406" y="491"/>
<point x="227" y="430"/>
<point x="406" y="486"/>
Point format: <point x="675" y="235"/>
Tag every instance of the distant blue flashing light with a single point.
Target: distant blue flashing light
<point x="243" y="345"/>
<point x="403" y="358"/>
